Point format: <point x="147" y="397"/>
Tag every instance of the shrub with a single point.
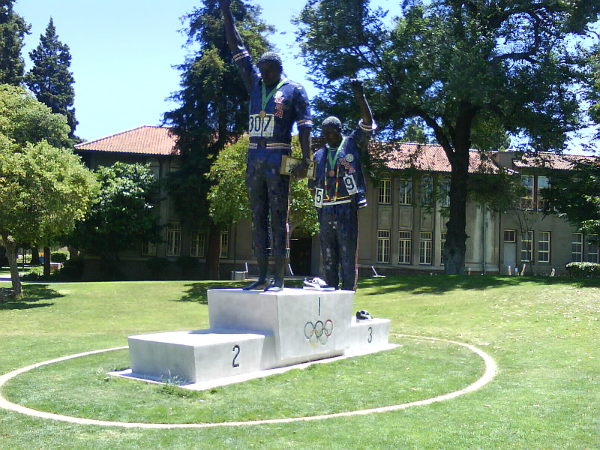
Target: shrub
<point x="582" y="269"/>
<point x="59" y="257"/>
<point x="72" y="270"/>
<point x="157" y="267"/>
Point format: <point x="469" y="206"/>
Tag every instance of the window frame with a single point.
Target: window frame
<point x="384" y="193"/>
<point x="425" y="248"/>
<point x="527" y="250"/>
<point x="577" y="243"/>
<point x="173" y="240"/>
<point x="405" y="247"/>
<point x="543" y="255"/>
<point x="383" y="246"/>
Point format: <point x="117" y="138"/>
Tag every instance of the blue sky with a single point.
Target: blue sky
<point x="123" y="53"/>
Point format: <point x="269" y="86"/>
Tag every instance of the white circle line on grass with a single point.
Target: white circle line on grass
<point x="489" y="373"/>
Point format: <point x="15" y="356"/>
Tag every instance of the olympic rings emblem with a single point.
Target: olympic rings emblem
<point x="318" y="331"/>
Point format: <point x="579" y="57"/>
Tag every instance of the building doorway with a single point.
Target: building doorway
<point x="300" y="252"/>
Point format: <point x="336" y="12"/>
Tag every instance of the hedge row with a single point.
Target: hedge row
<point x="578" y="269"/>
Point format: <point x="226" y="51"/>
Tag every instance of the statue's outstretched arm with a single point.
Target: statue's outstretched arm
<point x="365" y="109"/>
<point x="234" y="40"/>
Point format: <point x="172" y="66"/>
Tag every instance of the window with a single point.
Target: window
<point x="592" y="248"/>
<point x="383" y="246"/>
<point x="198" y="245"/>
<point x="425" y="247"/>
<point x="442" y="243"/>
<point x="173" y="239"/>
<point x="510" y="236"/>
<point x="426" y="190"/>
<point x="542" y="184"/>
<point x="385" y="192"/>
<point x="148" y="249"/>
<point x="527" y="198"/>
<point x="527" y="246"/>
<point x="544" y="247"/>
<point x="405" y="192"/>
<point x="224" y="244"/>
<point x="577" y="247"/>
<point x="444" y="187"/>
<point x="404" y="247"/>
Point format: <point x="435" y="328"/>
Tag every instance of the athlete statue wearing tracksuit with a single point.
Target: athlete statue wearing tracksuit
<point x="275" y="104"/>
<point x="340" y="189"/>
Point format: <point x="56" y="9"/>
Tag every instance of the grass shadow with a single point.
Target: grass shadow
<point x="439" y="283"/>
<point x="33" y="297"/>
<point x="197" y="292"/>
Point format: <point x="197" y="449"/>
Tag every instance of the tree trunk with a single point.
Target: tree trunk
<point x="35" y="256"/>
<point x="11" y="254"/>
<point x="214" y="252"/>
<point x="47" y="261"/>
<point x="456" y="236"/>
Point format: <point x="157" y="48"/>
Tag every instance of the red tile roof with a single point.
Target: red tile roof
<point x="427" y="157"/>
<point x="145" y="140"/>
<point x="549" y="161"/>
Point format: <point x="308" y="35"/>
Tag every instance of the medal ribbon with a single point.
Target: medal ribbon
<point x="265" y="98"/>
<point x="335" y="155"/>
<point x="337" y="168"/>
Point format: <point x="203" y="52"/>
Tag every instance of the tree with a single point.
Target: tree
<point x="575" y="195"/>
<point x="213" y="110"/>
<point x="50" y="78"/>
<point x="120" y="217"/>
<point x="228" y="196"/>
<point x="43" y="189"/>
<point x="471" y="71"/>
<point x="12" y="31"/>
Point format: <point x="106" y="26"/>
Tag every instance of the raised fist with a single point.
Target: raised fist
<point x="357" y="85"/>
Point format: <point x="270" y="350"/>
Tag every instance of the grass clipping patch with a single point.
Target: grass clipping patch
<point x="416" y="370"/>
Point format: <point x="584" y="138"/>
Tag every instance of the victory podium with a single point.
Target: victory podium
<point x="254" y="331"/>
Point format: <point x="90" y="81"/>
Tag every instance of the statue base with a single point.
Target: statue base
<point x="252" y="332"/>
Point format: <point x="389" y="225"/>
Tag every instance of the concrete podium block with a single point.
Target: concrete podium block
<point x="305" y="325"/>
<point x="194" y="356"/>
<point x="253" y="331"/>
<point x="369" y="333"/>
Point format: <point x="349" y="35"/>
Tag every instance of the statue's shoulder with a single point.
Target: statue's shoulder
<point x="295" y="85"/>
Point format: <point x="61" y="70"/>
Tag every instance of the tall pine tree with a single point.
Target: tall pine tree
<point x="213" y="110"/>
<point x="50" y="79"/>
<point x="12" y="31"/>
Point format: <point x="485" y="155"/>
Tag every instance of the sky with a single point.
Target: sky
<point x="124" y="52"/>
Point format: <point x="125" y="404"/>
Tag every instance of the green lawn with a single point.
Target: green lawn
<point x="543" y="333"/>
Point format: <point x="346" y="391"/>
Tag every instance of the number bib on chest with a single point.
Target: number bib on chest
<point x="319" y="194"/>
<point x="259" y="126"/>
<point x="350" y="184"/>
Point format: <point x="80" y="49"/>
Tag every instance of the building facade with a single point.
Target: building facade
<point x="401" y="231"/>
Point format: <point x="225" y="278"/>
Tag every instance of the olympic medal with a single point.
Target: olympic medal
<point x="262" y="114"/>
<point x="331" y="173"/>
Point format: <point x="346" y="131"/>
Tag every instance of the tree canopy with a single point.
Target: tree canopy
<point x="575" y="195"/>
<point x="44" y="190"/>
<point x="120" y="216"/>
<point x="228" y="196"/>
<point x="474" y="72"/>
<point x="12" y="31"/>
<point x="50" y="78"/>
<point x="24" y="119"/>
